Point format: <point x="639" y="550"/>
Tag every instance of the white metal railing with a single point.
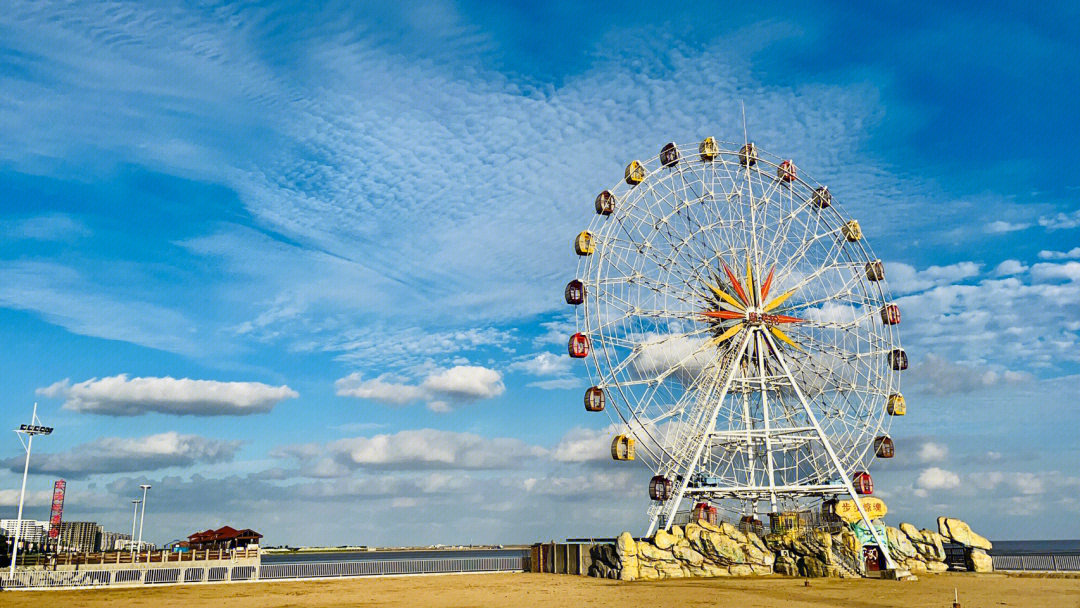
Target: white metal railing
<point x="54" y="579"/>
<point x="1049" y="562"/>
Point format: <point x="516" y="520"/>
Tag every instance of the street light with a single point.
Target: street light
<point x="142" y="513"/>
<point x="134" y="515"/>
<point x="34" y="428"/>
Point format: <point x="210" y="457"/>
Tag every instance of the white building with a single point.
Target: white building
<point x="32" y="532"/>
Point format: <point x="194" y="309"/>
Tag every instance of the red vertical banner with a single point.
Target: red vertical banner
<point x="57" y="512"/>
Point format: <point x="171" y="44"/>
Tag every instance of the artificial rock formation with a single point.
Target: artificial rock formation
<point x="702" y="549"/>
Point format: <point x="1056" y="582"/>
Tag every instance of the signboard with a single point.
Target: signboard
<point x="57" y="512"/>
<point x="847" y="511"/>
<point x="35" y="429"/>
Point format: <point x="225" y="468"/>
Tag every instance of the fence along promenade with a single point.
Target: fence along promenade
<point x="61" y="579"/>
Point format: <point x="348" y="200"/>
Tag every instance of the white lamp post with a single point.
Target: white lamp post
<point x="134" y="516"/>
<point x="142" y="514"/>
<point x="34" y="428"/>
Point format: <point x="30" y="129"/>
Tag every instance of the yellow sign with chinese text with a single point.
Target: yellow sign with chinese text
<point x="847" y="511"/>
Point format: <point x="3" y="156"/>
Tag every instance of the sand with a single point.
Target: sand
<point x="976" y="590"/>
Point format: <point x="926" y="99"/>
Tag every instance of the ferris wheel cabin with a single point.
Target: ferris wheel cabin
<point x="595" y="399"/>
<point x="786" y="172"/>
<point x="897" y="406"/>
<point x="883" y="447"/>
<point x="748" y="155"/>
<point x="578" y="347"/>
<point x="708" y="150"/>
<point x="898" y="359"/>
<point x="890" y="314"/>
<point x="575" y="292"/>
<point x="822" y="197"/>
<point x="875" y="271"/>
<point x="635" y="173"/>
<point x="660" y="488"/>
<point x="605" y="203"/>
<point x="669" y="155"/>
<point x="863" y="483"/>
<point x="622" y="448"/>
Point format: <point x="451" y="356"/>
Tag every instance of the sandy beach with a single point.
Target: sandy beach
<point x="574" y="591"/>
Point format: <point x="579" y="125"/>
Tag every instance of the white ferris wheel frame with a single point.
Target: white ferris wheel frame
<point x="650" y="285"/>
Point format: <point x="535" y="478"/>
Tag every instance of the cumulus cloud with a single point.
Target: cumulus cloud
<point x="417" y="449"/>
<point x="1060" y="255"/>
<point x="123" y="396"/>
<point x="122" y="455"/>
<point x="1010" y="267"/>
<point x="458" y="384"/>
<point x="933" y="452"/>
<point x="935" y="478"/>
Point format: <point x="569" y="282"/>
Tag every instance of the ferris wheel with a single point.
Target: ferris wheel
<point x="739" y="332"/>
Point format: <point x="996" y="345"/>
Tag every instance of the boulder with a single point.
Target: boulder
<point x="708" y="526"/>
<point x="915" y="565"/>
<point x="753" y="554"/>
<point x="649" y="552"/>
<point x="722" y="549"/>
<point x="959" y="532"/>
<point x="670" y="570"/>
<point x="731" y="531"/>
<point x="812" y="567"/>
<point x="677" y="531"/>
<point x="936" y="567"/>
<point x="977" y="560"/>
<point x="715" y="570"/>
<point x="687" y="555"/>
<point x="664" y="540"/>
<point x="629" y="569"/>
<point x="934" y="546"/>
<point x="740" y="570"/>
<point x="693" y="532"/>
<point x="625" y="545"/>
<point x="911" y="531"/>
<point x="761" y="569"/>
<point x="899" y="543"/>
<point x="786" y="565"/>
<point x="757" y="542"/>
<point x="647" y="573"/>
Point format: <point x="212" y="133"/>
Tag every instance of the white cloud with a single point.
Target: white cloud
<point x="465" y="383"/>
<point x="122" y="455"/>
<point x="1069" y="271"/>
<point x="1061" y="221"/>
<point x="51" y="227"/>
<point x="933" y="452"/>
<point x="458" y="384"/>
<point x="123" y="396"/>
<point x="935" y="478"/>
<point x="1060" y="255"/>
<point x="936" y="375"/>
<point x="584" y="445"/>
<point x="903" y="278"/>
<point x="999" y="226"/>
<point x="542" y="364"/>
<point x="385" y="389"/>
<point x="39" y="498"/>
<point x="420" y="449"/>
<point x="1010" y="267"/>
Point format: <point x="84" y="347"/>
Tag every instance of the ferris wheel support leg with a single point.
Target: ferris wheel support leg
<point x="673" y="504"/>
<point x="882" y="545"/>
<point x="769" y="465"/>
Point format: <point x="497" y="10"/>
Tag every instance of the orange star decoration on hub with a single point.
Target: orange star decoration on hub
<point x="750" y="305"/>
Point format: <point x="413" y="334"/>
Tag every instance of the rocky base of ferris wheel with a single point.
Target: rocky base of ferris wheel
<point x="702" y="549"/>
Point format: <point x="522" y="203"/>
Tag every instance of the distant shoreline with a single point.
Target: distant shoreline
<point x="364" y="549"/>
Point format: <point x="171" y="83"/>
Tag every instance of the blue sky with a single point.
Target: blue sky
<point x="301" y="269"/>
